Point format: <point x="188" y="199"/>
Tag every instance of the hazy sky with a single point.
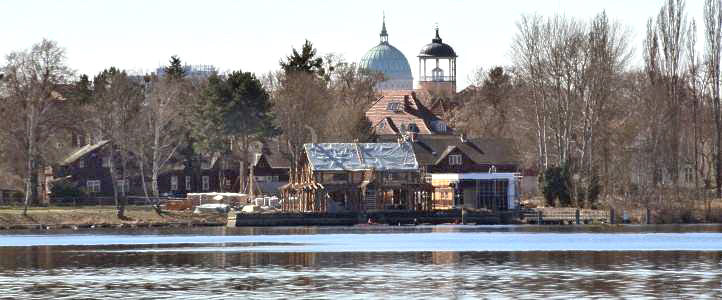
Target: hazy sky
<point x="255" y="35"/>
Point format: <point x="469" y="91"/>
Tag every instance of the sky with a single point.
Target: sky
<point x="255" y="35"/>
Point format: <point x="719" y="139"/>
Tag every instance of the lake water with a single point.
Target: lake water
<point x="381" y="262"/>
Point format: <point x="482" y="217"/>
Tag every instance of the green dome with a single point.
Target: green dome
<point x="388" y="60"/>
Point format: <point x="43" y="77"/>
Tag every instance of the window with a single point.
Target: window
<point x="688" y="174"/>
<point x="455" y="159"/>
<point x="81" y="163"/>
<point x="106" y="162"/>
<point x="413" y="128"/>
<point x="123" y="186"/>
<point x="437" y="74"/>
<point x="439" y="126"/>
<point x="205" y="163"/>
<point x="340" y="177"/>
<point x="259" y="178"/>
<point x="206" y="183"/>
<point x="393" y="106"/>
<point x="174" y="183"/>
<point x="188" y="183"/>
<point x="93" y="186"/>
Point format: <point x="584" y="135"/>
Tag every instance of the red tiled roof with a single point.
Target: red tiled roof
<point x="409" y="111"/>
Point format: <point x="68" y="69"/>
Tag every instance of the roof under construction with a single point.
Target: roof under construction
<point x="361" y="156"/>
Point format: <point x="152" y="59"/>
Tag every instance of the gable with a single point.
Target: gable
<point x="399" y="110"/>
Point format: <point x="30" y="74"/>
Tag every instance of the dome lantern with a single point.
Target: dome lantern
<point x="441" y="77"/>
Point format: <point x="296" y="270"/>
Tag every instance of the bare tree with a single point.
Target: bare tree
<point x="33" y="81"/>
<point x="114" y="112"/>
<point x="713" y="37"/>
<point x="302" y="101"/>
<point x="165" y="115"/>
<point x="671" y="32"/>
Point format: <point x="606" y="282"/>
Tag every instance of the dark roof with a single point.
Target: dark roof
<point x="431" y="149"/>
<point x="437" y="48"/>
<point x="276" y="155"/>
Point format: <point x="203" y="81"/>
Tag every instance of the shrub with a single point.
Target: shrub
<point x="64" y="189"/>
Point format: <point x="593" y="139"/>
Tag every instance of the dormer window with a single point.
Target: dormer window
<point x="394" y="106"/>
<point x="455" y="160"/>
<point x="439" y="126"/>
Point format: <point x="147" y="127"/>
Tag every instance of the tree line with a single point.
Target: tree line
<point x="598" y="127"/>
<point x="153" y="120"/>
<point x="594" y="124"/>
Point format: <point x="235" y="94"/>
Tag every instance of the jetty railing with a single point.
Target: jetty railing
<point x="565" y="215"/>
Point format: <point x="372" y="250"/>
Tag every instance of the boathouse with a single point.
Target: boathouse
<point x="478" y="173"/>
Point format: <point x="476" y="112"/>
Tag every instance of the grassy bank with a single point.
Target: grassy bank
<point x="11" y="217"/>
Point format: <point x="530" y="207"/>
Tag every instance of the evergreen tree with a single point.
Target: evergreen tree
<point x="556" y="185"/>
<point x="175" y="70"/>
<point x="306" y="61"/>
<point x="233" y="110"/>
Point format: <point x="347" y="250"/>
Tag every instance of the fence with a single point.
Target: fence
<point x="565" y="215"/>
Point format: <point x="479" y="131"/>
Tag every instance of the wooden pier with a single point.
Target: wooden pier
<point x="566" y="216"/>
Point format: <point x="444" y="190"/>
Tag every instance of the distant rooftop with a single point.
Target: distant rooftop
<point x="192" y="70"/>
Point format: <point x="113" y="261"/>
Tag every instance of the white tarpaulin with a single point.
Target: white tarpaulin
<point x="361" y="156"/>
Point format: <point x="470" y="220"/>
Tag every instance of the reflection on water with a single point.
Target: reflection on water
<point x="112" y="271"/>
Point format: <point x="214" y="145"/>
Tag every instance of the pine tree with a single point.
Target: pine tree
<point x="175" y="70"/>
<point x="306" y="61"/>
<point x="236" y="109"/>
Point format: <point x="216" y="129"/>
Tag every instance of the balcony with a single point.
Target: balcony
<point x="437" y="78"/>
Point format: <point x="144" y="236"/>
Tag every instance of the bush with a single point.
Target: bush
<point x="556" y="185"/>
<point x="63" y="189"/>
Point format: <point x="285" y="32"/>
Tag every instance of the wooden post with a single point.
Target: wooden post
<point x="648" y="216"/>
<point x="577" y="216"/>
<point x="539" y="217"/>
<point x="612" y="217"/>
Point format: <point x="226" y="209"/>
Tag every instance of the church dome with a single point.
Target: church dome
<point x="388" y="60"/>
<point x="437" y="48"/>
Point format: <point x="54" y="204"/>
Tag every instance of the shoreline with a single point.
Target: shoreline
<point x="144" y="217"/>
<point x="102" y="217"/>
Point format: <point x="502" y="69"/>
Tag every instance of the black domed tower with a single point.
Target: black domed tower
<point x="437" y="67"/>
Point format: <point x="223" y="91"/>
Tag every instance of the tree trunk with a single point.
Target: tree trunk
<point x="31" y="160"/>
<point x="718" y="153"/>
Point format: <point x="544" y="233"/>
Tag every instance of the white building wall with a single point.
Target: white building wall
<point x="511" y="194"/>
